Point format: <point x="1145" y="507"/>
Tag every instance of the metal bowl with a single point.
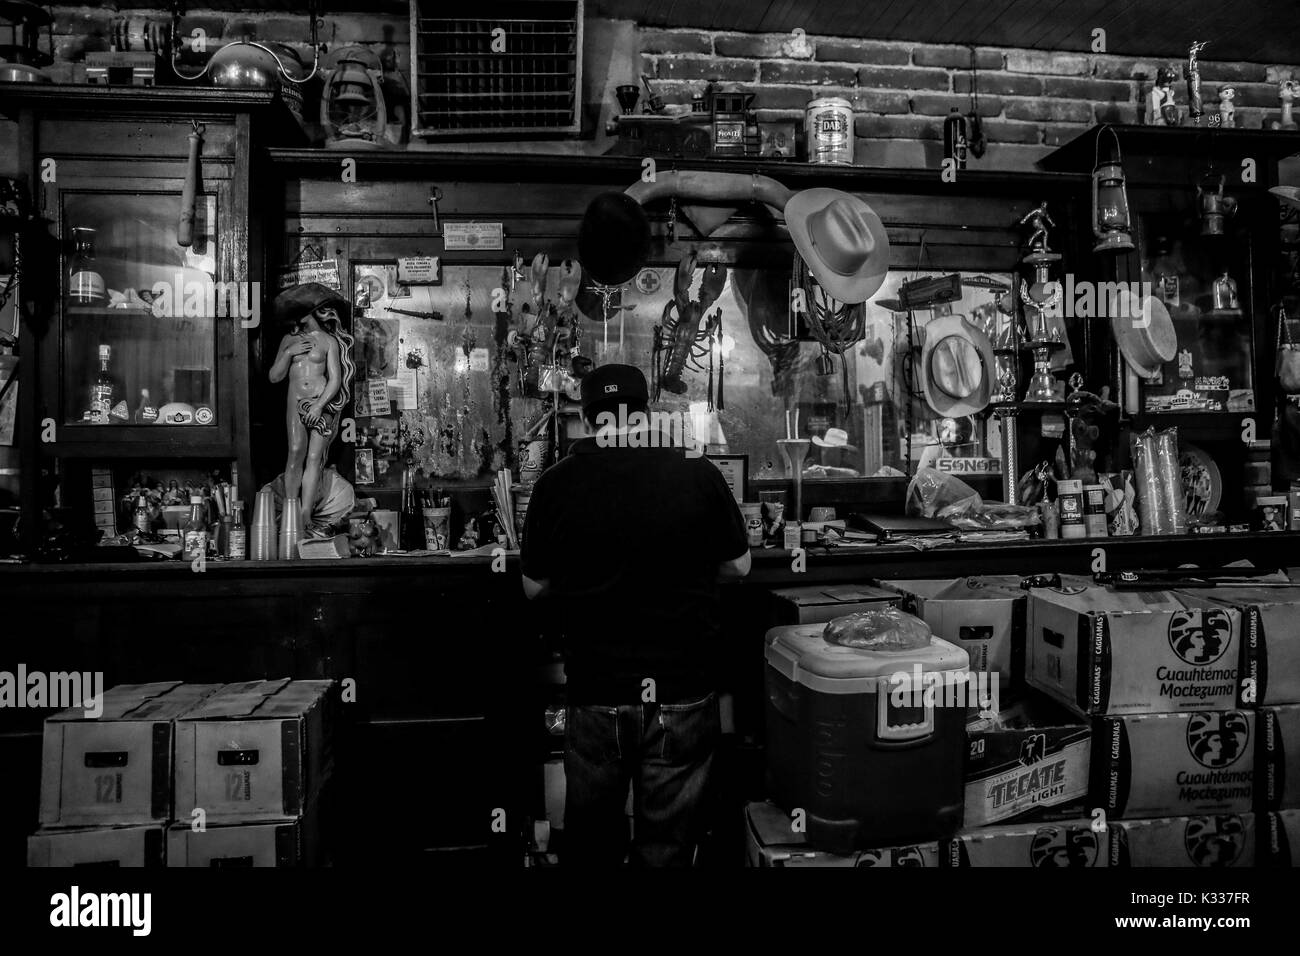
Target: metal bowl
<point x="244" y="65"/>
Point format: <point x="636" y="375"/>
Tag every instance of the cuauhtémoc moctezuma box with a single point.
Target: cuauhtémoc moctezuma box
<point x="1102" y="651"/>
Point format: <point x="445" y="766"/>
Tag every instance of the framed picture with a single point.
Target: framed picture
<point x="735" y="469"/>
<point x="365" y="466"/>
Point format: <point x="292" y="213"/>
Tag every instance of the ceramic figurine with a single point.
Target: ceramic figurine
<point x="316" y="357"/>
<point x="1287" y="92"/>
<point x="1161" y="108"/>
<point x="1227" y="113"/>
<point x="1184" y="364"/>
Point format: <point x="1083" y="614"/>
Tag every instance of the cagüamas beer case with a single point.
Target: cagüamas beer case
<point x="1101" y="651"/>
<point x="865" y="771"/>
<point x="1153" y="765"/>
<point x="1225" y="839"/>
<point x="1277" y="755"/>
<point x="1074" y="844"/>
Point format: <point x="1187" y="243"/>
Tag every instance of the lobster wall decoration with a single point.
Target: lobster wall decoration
<point x="687" y="335"/>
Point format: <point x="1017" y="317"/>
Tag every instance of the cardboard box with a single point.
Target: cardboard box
<point x="259" y="750"/>
<point x="272" y="843"/>
<point x="1270" y="642"/>
<point x="1277" y="758"/>
<point x="1156" y="765"/>
<point x="814" y="605"/>
<point x="771" y="842"/>
<point x="983" y="615"/>
<point x="1227" y="839"/>
<point x="98" y="846"/>
<point x="117" y="769"/>
<point x="1279" y="838"/>
<point x="1101" y="651"/>
<point x="1072" y="843"/>
<point x="1030" y="764"/>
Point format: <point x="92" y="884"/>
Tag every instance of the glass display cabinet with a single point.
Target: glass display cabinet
<point x="141" y="353"/>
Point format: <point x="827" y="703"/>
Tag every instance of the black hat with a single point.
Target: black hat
<point x="293" y="303"/>
<point x="609" y="383"/>
<point x="614" y="238"/>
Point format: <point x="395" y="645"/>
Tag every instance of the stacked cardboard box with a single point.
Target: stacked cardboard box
<point x="773" y="839"/>
<point x="106" y="781"/>
<point x="186" y="774"/>
<point x="252" y="763"/>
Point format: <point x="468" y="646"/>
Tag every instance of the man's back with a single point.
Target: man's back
<point x="631" y="540"/>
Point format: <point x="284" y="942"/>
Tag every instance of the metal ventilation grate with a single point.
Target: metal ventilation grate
<point x="515" y="67"/>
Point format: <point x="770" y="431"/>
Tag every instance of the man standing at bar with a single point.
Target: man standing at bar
<point x="630" y="538"/>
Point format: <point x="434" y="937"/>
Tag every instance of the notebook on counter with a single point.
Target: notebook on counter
<point x="889" y="528"/>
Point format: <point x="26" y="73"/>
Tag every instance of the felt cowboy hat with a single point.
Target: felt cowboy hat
<point x="1143" y="330"/>
<point x="842" y="240"/>
<point x="295" y="302"/>
<point x="834" y="438"/>
<point x="957" y="367"/>
<point x="613" y="239"/>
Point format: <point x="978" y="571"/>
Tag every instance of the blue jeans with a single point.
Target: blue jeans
<point x="666" y="752"/>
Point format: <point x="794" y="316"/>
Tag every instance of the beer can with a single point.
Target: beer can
<point x="828" y="125"/>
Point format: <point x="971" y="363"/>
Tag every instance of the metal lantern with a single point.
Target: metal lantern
<point x="352" y="108"/>
<point x="1111" y="221"/>
<point x="20" y="31"/>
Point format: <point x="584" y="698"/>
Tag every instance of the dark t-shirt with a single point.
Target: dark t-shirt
<point x="631" y="540"/>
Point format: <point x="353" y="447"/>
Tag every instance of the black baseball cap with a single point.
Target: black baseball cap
<point x="614" y="384"/>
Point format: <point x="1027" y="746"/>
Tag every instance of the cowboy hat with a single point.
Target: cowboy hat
<point x="295" y="302"/>
<point x="834" y="438"/>
<point x="842" y="240"/>
<point x="613" y="239"/>
<point x="957" y="367"/>
<point x="1145" y="333"/>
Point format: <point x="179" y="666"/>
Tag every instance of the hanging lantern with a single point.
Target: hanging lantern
<point x="20" y="30"/>
<point x="1111" y="221"/>
<point x="352" y="108"/>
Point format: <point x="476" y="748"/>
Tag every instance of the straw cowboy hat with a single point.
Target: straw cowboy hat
<point x="842" y="240"/>
<point x="957" y="367"/>
<point x="1144" y="332"/>
<point x="834" y="438"/>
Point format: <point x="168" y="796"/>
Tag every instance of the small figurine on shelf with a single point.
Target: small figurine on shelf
<point x="1287" y="91"/>
<point x="1227" y="112"/>
<point x="1162" y="110"/>
<point x="1192" y="73"/>
<point x="1039" y="220"/>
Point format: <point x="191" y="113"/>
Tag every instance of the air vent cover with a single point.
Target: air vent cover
<point x="513" y="67"/>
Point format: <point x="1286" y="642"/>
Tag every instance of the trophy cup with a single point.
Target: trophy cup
<point x="1193" y="76"/>
<point x="1040" y="299"/>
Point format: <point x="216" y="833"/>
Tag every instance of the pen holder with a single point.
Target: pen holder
<point x="794" y="451"/>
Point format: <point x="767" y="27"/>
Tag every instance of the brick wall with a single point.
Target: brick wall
<point x="1031" y="100"/>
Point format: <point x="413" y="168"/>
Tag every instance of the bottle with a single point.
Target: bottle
<point x="101" y="390"/>
<point x="237" y="539"/>
<point x="195" y="533"/>
<point x="146" y="412"/>
<point x="141" y="519"/>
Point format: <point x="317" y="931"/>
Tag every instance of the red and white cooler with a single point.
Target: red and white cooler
<point x="868" y="766"/>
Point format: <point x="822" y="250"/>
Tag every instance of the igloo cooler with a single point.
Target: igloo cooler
<point x="865" y="771"/>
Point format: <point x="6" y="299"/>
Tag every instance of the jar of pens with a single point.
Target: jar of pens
<point x="794" y="450"/>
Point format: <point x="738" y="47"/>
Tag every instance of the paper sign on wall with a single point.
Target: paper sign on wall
<point x="478" y="360"/>
<point x="473" y="235"/>
<point x="419" y="270"/>
<point x="377" y="394"/>
<point x="324" y="271"/>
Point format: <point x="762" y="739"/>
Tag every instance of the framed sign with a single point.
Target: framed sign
<point x="735" y="469"/>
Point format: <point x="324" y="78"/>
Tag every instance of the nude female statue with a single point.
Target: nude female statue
<point x="316" y="356"/>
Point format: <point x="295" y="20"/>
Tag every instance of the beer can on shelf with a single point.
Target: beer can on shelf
<point x="828" y="125"/>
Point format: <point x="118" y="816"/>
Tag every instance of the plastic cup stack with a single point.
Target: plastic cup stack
<point x="290" y="529"/>
<point x="261" y="536"/>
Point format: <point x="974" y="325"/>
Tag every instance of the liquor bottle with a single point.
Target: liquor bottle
<point x="141" y="519"/>
<point x="195" y="533"/>
<point x="101" y="390"/>
<point x="146" y="412"/>
<point x="237" y="539"/>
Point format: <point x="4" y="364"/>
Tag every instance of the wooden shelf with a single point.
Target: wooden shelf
<point x="1079" y="154"/>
